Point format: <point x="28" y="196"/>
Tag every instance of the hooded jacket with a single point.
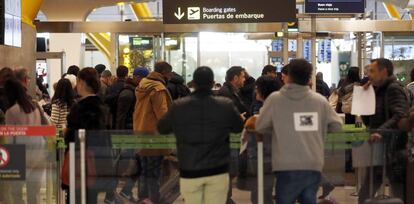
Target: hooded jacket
<point x="299" y="119"/>
<point x="201" y="124"/>
<point x="153" y="101"/>
<point x="177" y="88"/>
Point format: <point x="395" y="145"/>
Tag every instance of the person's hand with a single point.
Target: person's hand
<point x="243" y="116"/>
<point x="367" y="85"/>
<point x="375" y="137"/>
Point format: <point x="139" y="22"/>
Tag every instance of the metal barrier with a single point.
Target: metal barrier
<point x="117" y="142"/>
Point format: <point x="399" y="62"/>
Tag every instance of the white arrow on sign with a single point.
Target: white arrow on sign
<point x="179" y="15"/>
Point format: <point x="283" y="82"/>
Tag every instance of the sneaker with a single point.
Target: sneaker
<point x="107" y="201"/>
<point x="326" y="190"/>
<point x="126" y="197"/>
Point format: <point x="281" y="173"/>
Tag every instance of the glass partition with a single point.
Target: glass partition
<point x="29" y="165"/>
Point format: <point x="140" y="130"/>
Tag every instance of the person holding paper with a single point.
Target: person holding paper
<point x="391" y="106"/>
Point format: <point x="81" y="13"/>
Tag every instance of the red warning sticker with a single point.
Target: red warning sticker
<point x="27" y="131"/>
<point x="4" y="157"/>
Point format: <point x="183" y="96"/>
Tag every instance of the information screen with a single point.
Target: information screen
<point x="11" y="26"/>
<point x="335" y="6"/>
<point x="142" y="43"/>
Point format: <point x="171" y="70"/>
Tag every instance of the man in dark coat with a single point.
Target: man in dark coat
<point x="112" y="93"/>
<point x="202" y="147"/>
<point x="124" y="121"/>
<point x="391" y="105"/>
<point x="176" y="87"/>
<point x="126" y="100"/>
<point x="235" y="78"/>
<point x="321" y="87"/>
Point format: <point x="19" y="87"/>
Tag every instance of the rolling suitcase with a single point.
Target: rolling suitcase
<point x="382" y="199"/>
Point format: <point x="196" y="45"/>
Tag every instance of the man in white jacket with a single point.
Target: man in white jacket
<point x="299" y="119"/>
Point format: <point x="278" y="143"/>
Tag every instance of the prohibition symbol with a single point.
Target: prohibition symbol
<point x="4" y="157"/>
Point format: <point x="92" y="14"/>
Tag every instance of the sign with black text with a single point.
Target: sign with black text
<point x="335" y="6"/>
<point x="12" y="162"/>
<point x="228" y="11"/>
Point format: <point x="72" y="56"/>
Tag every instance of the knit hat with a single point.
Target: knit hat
<point x="72" y="79"/>
<point x="141" y="71"/>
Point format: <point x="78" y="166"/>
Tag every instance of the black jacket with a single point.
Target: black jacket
<point x="391" y="106"/>
<point x="111" y="97"/>
<point x="322" y="88"/>
<point x="92" y="114"/>
<point x="177" y="88"/>
<point x="202" y="123"/>
<point x="246" y="92"/>
<point x="228" y="91"/>
<point x="125" y="109"/>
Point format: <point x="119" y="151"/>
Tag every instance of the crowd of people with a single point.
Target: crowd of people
<point x="278" y="108"/>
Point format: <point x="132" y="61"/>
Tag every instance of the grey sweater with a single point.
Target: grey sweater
<point x="299" y="119"/>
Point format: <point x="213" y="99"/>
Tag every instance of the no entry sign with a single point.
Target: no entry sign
<point x="12" y="162"/>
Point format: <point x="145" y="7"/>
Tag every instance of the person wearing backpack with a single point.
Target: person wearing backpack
<point x="112" y="93"/>
<point x="391" y="107"/>
<point x="177" y="88"/>
<point x="129" y="161"/>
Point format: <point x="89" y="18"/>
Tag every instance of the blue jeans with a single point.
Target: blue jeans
<point x="292" y="186"/>
<point x="150" y="178"/>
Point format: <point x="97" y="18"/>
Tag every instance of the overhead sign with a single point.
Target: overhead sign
<point x="12" y="162"/>
<point x="335" y="6"/>
<point x="228" y="11"/>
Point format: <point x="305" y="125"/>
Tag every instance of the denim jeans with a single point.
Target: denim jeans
<point x="150" y="179"/>
<point x="292" y="186"/>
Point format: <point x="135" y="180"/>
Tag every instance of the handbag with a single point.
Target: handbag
<point x="333" y="99"/>
<point x="347" y="103"/>
<point x="90" y="168"/>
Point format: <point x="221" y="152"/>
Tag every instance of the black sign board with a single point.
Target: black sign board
<point x="141" y="43"/>
<point x="228" y="11"/>
<point x="12" y="162"/>
<point x="335" y="6"/>
<point x="10" y="24"/>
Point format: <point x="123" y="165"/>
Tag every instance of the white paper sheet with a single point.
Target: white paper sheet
<point x="363" y="101"/>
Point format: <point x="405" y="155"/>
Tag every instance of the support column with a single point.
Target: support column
<point x="299" y="43"/>
<point x="313" y="48"/>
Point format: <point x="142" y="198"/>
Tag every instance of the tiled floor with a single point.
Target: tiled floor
<point x="341" y="195"/>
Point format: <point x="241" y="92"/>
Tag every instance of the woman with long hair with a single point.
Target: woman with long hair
<point x="91" y="114"/>
<point x="62" y="101"/>
<point x="24" y="111"/>
<point x="352" y="79"/>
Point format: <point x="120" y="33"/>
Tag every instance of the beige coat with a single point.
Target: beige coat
<point x="153" y="101"/>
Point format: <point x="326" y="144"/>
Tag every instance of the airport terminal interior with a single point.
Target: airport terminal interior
<point x="121" y="118"/>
